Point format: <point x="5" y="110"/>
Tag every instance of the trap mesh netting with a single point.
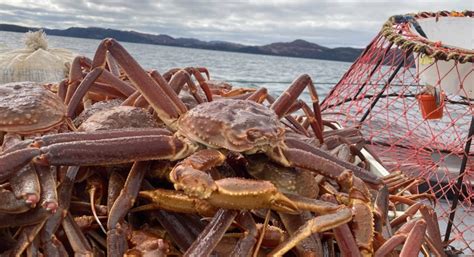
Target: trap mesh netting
<point x="412" y="93"/>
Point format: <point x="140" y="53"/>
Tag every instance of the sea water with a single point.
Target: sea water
<point x="244" y="70"/>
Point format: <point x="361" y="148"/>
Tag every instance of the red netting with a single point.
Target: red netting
<point x="379" y="92"/>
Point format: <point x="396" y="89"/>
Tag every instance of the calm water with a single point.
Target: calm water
<point x="276" y="72"/>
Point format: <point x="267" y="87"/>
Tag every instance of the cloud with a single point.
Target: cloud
<point x="326" y="22"/>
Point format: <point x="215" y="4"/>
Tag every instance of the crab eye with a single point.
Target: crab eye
<point x="254" y="134"/>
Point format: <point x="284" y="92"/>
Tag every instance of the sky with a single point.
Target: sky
<point x="331" y="23"/>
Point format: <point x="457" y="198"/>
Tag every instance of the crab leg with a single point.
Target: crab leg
<point x="26" y="237"/>
<point x="296" y="125"/>
<point x="196" y="71"/>
<point x="53" y="222"/>
<point x="14" y="161"/>
<point x="47" y="234"/>
<point x="335" y="140"/>
<point x="23" y="219"/>
<point x="49" y="196"/>
<point x="116" y="183"/>
<point x="162" y="98"/>
<point x="180" y="233"/>
<point x="398" y="239"/>
<point x="97" y="74"/>
<point x="179" y="79"/>
<point x="75" y="76"/>
<point x="112" y="65"/>
<point x="174" y="201"/>
<point x="81" y="90"/>
<point x="429" y="217"/>
<point x="408" y="213"/>
<point x="315" y="225"/>
<point x="381" y="209"/>
<point x="33" y="249"/>
<point x="131" y="99"/>
<point x="116" y="240"/>
<point x="258" y="96"/>
<point x="113" y="151"/>
<point x="85" y="144"/>
<point x="239" y="93"/>
<point x="390" y="244"/>
<point x="161" y="82"/>
<point x="311" y="118"/>
<point x="62" y="89"/>
<point x="147" y="244"/>
<point x="306" y="156"/>
<point x="345" y="240"/>
<point x="113" y="81"/>
<point x="432" y="228"/>
<point x="10" y="204"/>
<point x="307" y="246"/>
<point x="363" y="219"/>
<point x="141" y="102"/>
<point x="78" y="241"/>
<point x="202" y="82"/>
<point x="25" y="183"/>
<point x="246" y="243"/>
<point x="167" y="75"/>
<point x="414" y="239"/>
<point x="97" y="135"/>
<point x="101" y="92"/>
<point x="313" y="205"/>
<point x="212" y="234"/>
<point x="286" y="100"/>
<point x="128" y="194"/>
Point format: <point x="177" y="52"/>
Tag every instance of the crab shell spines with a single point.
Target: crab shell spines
<point x="236" y="125"/>
<point x="27" y="107"/>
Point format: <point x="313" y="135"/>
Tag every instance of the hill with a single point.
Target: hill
<point x="298" y="48"/>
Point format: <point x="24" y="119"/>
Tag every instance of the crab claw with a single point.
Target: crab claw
<point x="193" y="182"/>
<point x="231" y="193"/>
<point x="238" y="193"/>
<point x="318" y="224"/>
<point x="189" y="175"/>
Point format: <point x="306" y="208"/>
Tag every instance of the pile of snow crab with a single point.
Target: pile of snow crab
<point x="118" y="160"/>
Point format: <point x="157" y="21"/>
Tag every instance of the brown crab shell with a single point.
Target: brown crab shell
<point x="119" y="117"/>
<point x="28" y="107"/>
<point x="236" y="125"/>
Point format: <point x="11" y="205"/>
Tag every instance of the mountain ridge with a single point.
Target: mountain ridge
<point x="298" y="48"/>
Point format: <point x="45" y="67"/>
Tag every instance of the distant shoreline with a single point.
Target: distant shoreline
<point x="297" y="48"/>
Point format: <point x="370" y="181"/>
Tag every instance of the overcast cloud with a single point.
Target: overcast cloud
<point x="254" y="22"/>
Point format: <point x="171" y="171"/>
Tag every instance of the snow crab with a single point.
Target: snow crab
<point x="29" y="109"/>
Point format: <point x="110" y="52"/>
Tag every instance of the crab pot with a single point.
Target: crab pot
<point x="429" y="109"/>
<point x="382" y="94"/>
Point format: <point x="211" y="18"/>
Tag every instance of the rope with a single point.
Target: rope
<point x="408" y="40"/>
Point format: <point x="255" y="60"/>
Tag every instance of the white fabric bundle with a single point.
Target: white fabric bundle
<point x="35" y="62"/>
